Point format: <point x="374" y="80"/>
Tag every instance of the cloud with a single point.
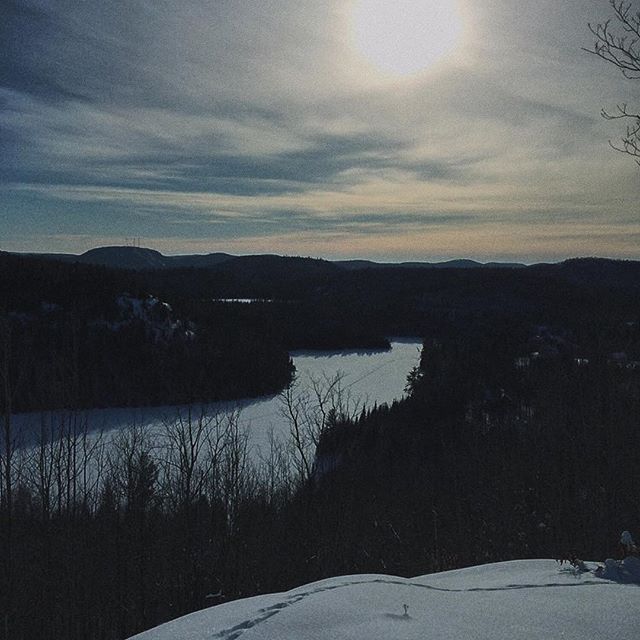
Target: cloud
<point x="242" y="118"/>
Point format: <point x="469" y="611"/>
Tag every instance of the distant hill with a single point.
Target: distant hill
<point x="137" y="258"/>
<point x="141" y="258"/>
<point x="200" y="261"/>
<point x="252" y="275"/>
<point x="615" y="274"/>
<point x="354" y="265"/>
<point x="124" y="257"/>
<point x="279" y="266"/>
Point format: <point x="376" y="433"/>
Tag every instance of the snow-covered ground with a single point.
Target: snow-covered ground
<point x="519" y="600"/>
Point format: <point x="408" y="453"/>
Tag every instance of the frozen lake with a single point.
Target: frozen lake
<point x="366" y="378"/>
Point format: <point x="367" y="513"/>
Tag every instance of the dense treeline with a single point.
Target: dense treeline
<point x="84" y="336"/>
<point x="332" y="307"/>
<point x="63" y="362"/>
<point x="487" y="461"/>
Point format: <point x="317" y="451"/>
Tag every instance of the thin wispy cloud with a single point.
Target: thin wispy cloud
<point x="225" y="124"/>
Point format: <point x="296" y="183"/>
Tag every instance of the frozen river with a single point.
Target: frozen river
<point x="366" y="378"/>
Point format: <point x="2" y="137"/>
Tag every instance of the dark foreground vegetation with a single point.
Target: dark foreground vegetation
<point x="519" y="438"/>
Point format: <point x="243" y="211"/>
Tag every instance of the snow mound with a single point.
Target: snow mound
<point x="627" y="570"/>
<point x="528" y="599"/>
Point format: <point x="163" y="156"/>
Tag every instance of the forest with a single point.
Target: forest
<point x="517" y="438"/>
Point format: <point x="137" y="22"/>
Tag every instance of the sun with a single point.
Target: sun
<point x="405" y="37"/>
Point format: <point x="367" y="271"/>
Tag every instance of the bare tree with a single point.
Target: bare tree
<point x="7" y="452"/>
<point x="310" y="412"/>
<point x="12" y="375"/>
<point x="276" y="470"/>
<point x="66" y="464"/>
<point x="237" y="473"/>
<point x="193" y="443"/>
<point x="618" y="42"/>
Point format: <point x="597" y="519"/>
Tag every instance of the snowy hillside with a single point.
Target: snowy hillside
<point x="520" y="600"/>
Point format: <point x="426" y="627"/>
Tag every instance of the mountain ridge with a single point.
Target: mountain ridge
<point x="144" y="258"/>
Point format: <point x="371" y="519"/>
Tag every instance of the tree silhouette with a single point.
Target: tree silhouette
<point x="618" y="43"/>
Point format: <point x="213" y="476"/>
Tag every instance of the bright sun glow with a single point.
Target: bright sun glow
<point x="404" y="37"/>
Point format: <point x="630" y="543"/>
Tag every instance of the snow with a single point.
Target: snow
<point x="627" y="571"/>
<point x="518" y="600"/>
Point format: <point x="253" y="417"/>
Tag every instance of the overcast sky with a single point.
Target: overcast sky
<point x="259" y="126"/>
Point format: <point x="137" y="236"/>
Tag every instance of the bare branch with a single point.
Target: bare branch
<point x="623" y="51"/>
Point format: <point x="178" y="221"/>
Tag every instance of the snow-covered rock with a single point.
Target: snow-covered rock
<point x="155" y="315"/>
<point x="520" y="600"/>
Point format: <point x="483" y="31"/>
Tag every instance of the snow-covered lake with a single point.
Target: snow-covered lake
<point x="366" y="377"/>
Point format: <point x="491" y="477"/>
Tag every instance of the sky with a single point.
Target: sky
<point x="291" y="127"/>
